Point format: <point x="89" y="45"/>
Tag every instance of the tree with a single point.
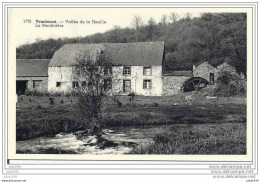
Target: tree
<point x="137" y="22"/>
<point x="92" y="77"/>
<point x="188" y="16"/>
<point x="164" y="20"/>
<point x="174" y="17"/>
<point x="151" y="28"/>
<point x="115" y="37"/>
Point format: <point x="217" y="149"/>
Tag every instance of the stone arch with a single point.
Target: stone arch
<point x="194" y="83"/>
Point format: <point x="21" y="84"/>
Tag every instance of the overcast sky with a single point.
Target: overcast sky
<point x="28" y="32"/>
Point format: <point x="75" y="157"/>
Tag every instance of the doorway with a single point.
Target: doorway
<point x="127" y="86"/>
<point x="21" y="86"/>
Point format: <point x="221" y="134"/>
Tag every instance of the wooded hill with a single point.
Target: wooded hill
<point x="211" y="37"/>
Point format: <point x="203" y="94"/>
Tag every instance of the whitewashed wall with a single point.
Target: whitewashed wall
<point x="60" y="74"/>
<point x="64" y="75"/>
<point x="137" y="78"/>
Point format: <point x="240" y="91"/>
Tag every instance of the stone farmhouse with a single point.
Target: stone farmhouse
<point x="139" y="69"/>
<point x="137" y="66"/>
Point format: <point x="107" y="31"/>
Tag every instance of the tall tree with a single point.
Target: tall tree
<point x="174" y="17"/>
<point x="137" y="22"/>
<point x="151" y="28"/>
<point x="164" y="20"/>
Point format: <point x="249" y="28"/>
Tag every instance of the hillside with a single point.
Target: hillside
<point x="212" y="37"/>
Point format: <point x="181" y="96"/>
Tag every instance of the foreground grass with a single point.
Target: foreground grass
<point x="218" y="140"/>
<point x="37" y="117"/>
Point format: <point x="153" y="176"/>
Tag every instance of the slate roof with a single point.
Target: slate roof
<point x="126" y="54"/>
<point x="179" y="73"/>
<point x="32" y="67"/>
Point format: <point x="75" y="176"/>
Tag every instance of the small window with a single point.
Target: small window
<point x="127" y="70"/>
<point x="58" y="84"/>
<point x="108" y="71"/>
<point x="147" y="70"/>
<point x="211" y="77"/>
<point x="83" y="84"/>
<point x="147" y="84"/>
<point x="107" y="83"/>
<point x="37" y="83"/>
<point x="75" y="84"/>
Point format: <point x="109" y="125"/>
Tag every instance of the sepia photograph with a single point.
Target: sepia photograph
<point x="131" y="81"/>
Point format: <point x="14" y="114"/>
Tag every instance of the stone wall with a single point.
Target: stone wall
<point x="43" y="85"/>
<point x="204" y="70"/>
<point x="173" y="84"/>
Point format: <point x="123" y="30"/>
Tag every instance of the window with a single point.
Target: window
<point x="107" y="83"/>
<point x="83" y="84"/>
<point x="147" y="70"/>
<point x="75" y="84"/>
<point x="58" y="84"/>
<point x="127" y="70"/>
<point x="108" y="70"/>
<point x="37" y="83"/>
<point x="147" y="84"/>
<point x="211" y="77"/>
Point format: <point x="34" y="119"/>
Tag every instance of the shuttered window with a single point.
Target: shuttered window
<point x="37" y="83"/>
<point x="147" y="84"/>
<point x="147" y="70"/>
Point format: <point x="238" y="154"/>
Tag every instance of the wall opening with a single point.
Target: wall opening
<point x="21" y="86"/>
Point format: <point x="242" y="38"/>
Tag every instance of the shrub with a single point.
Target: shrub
<point x="39" y="107"/>
<point x="51" y="100"/>
<point x="220" y="140"/>
<point x="35" y="93"/>
<point x="229" y="84"/>
<point x="62" y="101"/>
<point x="155" y="104"/>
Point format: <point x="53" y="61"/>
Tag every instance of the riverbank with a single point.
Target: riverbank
<point x="168" y="139"/>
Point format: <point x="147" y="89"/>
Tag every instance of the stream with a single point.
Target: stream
<point x="116" y="140"/>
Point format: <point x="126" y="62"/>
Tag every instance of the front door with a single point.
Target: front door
<point x="127" y="86"/>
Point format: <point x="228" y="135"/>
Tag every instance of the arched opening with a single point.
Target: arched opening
<point x="195" y="83"/>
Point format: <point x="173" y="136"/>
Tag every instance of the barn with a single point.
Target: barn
<point x="31" y="75"/>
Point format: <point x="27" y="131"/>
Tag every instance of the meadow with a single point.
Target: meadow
<point x="37" y="116"/>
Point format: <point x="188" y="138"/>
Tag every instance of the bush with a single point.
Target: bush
<point x="229" y="84"/>
<point x="39" y="107"/>
<point x="51" y="100"/>
<point x="155" y="104"/>
<point x="35" y="93"/>
<point x="220" y="140"/>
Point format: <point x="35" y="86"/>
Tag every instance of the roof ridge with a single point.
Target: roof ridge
<point x="113" y="43"/>
<point x="33" y="59"/>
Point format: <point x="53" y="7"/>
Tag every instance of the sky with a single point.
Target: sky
<point x="25" y="32"/>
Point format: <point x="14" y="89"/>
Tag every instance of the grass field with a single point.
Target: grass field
<point x="37" y="117"/>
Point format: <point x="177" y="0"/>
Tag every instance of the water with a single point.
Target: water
<point x="117" y="140"/>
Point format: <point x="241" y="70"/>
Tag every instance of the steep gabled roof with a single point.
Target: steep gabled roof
<point x="127" y="54"/>
<point x="32" y="67"/>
